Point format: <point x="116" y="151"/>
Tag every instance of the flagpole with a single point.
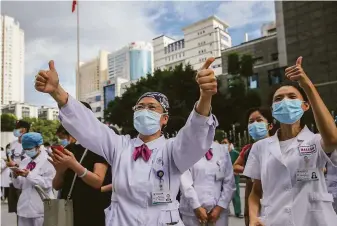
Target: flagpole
<point x="78" y="38"/>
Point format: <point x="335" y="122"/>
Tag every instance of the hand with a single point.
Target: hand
<point x="214" y="215"/>
<point x="255" y="222"/>
<point x="201" y="214"/>
<point x="61" y="168"/>
<point x="22" y="172"/>
<point x="10" y="163"/>
<point x="206" y="79"/>
<point x="65" y="159"/>
<point x="47" y="81"/>
<point x="296" y="73"/>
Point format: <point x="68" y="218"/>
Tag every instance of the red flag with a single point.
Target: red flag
<point x="74" y="6"/>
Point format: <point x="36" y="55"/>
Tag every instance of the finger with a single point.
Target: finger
<point x="299" y="61"/>
<point x="208" y="79"/>
<point x="58" y="158"/>
<point x="208" y="62"/>
<point x="205" y="72"/>
<point x="43" y="74"/>
<point x="40" y="84"/>
<point x="40" y="79"/>
<point x="51" y="161"/>
<point x="294" y="74"/>
<point x="208" y="86"/>
<point x="51" y="65"/>
<point x="290" y="68"/>
<point x="57" y="152"/>
<point x="67" y="152"/>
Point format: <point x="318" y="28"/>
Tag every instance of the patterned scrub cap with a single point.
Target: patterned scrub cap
<point x="161" y="98"/>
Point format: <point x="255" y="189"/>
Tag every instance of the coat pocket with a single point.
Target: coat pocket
<point x="170" y="215"/>
<point x="321" y="212"/>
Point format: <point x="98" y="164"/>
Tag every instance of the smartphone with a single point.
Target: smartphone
<point x="58" y="147"/>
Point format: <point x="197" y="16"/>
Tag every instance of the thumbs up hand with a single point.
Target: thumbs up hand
<point x="47" y="81"/>
<point x="296" y="73"/>
<point x="206" y="79"/>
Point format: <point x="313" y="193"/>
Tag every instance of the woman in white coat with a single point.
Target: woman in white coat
<point x="145" y="170"/>
<point x="33" y="170"/>
<point x="331" y="182"/>
<point x="5" y="175"/>
<point x="207" y="189"/>
<point x="287" y="168"/>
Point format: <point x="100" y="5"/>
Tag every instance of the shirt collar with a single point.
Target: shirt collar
<point x="152" y="144"/>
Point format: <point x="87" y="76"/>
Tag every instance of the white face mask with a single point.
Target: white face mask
<point x="146" y="122"/>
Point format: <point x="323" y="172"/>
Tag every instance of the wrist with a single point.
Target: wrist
<point x="60" y="95"/>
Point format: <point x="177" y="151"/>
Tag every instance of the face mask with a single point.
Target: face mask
<point x="258" y="130"/>
<point x="8" y="152"/>
<point x="17" y="133"/>
<point x="31" y="153"/>
<point x="288" y="111"/>
<point x="146" y="122"/>
<point x="64" y="142"/>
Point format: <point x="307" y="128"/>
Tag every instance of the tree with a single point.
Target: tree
<point x="47" y="128"/>
<point x="8" y="122"/>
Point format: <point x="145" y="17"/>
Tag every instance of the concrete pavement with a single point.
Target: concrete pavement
<point x="9" y="219"/>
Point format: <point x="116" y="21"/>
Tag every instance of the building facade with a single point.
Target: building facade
<point x="112" y="88"/>
<point x="203" y="39"/>
<point x="11" y="61"/>
<point x="89" y="82"/>
<point x="309" y="29"/>
<point x="48" y="113"/>
<point x="131" y="62"/>
<point x="20" y="110"/>
<point x="267" y="72"/>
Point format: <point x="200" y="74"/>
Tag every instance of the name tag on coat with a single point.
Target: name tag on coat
<point x="307" y="150"/>
<point x="161" y="197"/>
<point x="307" y="175"/>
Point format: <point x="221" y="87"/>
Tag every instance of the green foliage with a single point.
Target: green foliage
<point x="179" y="86"/>
<point x="8" y="122"/>
<point x="246" y="68"/>
<point x="46" y="127"/>
<point x="233" y="64"/>
<point x="219" y="135"/>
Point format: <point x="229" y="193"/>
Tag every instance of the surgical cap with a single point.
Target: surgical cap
<point x="31" y="140"/>
<point x="161" y="98"/>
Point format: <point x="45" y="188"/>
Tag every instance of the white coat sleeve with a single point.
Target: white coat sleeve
<point x="193" y="140"/>
<point x="228" y="183"/>
<point x="44" y="179"/>
<point x="187" y="189"/>
<point x="3" y="165"/>
<point x="17" y="182"/>
<point x="82" y="124"/>
<point x="253" y="165"/>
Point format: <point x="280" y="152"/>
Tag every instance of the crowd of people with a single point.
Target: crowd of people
<point x="114" y="179"/>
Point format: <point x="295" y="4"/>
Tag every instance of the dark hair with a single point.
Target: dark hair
<point x="87" y="105"/>
<point x="2" y="148"/>
<point x="264" y="111"/>
<point x="22" y="124"/>
<point x="288" y="83"/>
<point x="46" y="144"/>
<point x="62" y="130"/>
<point x="114" y="129"/>
<point x="8" y="146"/>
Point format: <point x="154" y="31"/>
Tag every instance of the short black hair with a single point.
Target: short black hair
<point x="288" y="83"/>
<point x="8" y="146"/>
<point x="46" y="144"/>
<point x="87" y="105"/>
<point x="62" y="130"/>
<point x="264" y="111"/>
<point x="22" y="124"/>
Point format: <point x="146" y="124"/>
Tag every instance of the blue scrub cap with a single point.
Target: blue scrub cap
<point x="31" y="140"/>
<point x="161" y="98"/>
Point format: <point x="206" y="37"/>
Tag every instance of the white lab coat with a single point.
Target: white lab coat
<point x="331" y="182"/>
<point x="285" y="201"/>
<point x="5" y="171"/>
<point x="199" y="187"/>
<point x="30" y="204"/>
<point x="134" y="181"/>
<point x="17" y="151"/>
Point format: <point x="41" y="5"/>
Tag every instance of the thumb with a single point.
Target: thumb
<point x="299" y="61"/>
<point x="51" y="65"/>
<point x="208" y="62"/>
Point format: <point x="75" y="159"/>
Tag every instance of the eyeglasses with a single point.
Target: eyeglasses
<point x="151" y="107"/>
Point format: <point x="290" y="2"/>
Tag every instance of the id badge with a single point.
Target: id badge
<point x="220" y="175"/>
<point x="307" y="175"/>
<point x="161" y="197"/>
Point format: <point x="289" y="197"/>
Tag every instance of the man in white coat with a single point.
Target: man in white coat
<point x="33" y="170"/>
<point x="145" y="170"/>
<point x="207" y="189"/>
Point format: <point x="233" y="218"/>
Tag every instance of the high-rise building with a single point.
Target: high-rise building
<point x="268" y="29"/>
<point x="20" y="110"/>
<point x="203" y="39"/>
<point x="308" y="29"/>
<point x="131" y="62"/>
<point x="48" y="113"/>
<point x="11" y="61"/>
<point x="89" y="82"/>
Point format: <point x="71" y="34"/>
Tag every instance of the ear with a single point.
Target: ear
<point x="270" y="126"/>
<point x="305" y="106"/>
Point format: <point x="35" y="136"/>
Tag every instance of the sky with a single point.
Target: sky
<point x="50" y="29"/>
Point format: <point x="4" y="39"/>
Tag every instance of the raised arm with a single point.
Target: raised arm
<point x="79" y="121"/>
<point x="324" y="121"/>
<point x="195" y="138"/>
<point x="187" y="189"/>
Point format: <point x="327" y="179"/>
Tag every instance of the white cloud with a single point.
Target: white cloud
<point x="50" y="33"/>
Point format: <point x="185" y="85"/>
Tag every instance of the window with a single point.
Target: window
<point x="275" y="76"/>
<point x="253" y="81"/>
<point x="258" y="60"/>
<point x="169" y="48"/>
<point x="175" y="46"/>
<point x="274" y="56"/>
<point x="165" y="49"/>
<point x="225" y="38"/>
<point x="178" y="45"/>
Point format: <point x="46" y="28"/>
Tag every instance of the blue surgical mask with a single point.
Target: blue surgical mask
<point x="31" y="153"/>
<point x="146" y="122"/>
<point x="64" y="142"/>
<point x="288" y="111"/>
<point x="258" y="130"/>
<point x="17" y="133"/>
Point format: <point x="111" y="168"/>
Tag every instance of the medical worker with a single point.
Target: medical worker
<point x="146" y="170"/>
<point x="207" y="189"/>
<point x="331" y="182"/>
<point x="287" y="168"/>
<point x="260" y="123"/>
<point x="33" y="170"/>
